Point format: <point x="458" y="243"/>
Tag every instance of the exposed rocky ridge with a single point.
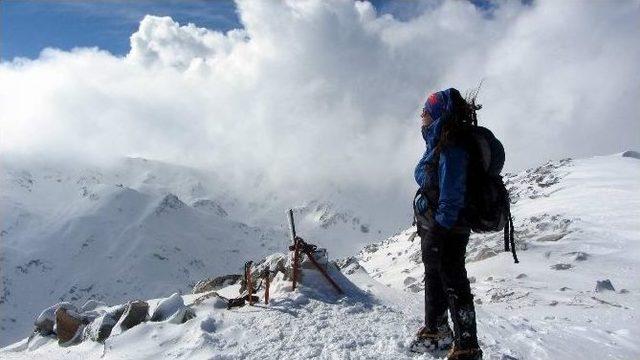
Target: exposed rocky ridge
<point x="327" y="215"/>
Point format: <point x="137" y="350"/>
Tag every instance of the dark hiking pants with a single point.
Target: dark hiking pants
<point x="447" y="286"/>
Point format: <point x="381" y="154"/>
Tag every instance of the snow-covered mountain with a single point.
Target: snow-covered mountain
<point x="134" y="229"/>
<point x="577" y="225"/>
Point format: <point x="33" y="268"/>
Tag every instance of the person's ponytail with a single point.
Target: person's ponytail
<point x="463" y="114"/>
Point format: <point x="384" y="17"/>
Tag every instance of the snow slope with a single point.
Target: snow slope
<point x="577" y="223"/>
<point x="132" y="229"/>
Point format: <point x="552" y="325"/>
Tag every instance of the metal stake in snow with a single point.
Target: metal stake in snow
<point x="292" y="228"/>
<point x="300" y="245"/>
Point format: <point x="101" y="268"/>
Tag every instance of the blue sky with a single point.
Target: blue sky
<point x="30" y="26"/>
<point x="27" y="27"/>
<point x="366" y="80"/>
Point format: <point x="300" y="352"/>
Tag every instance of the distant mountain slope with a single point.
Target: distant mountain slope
<point x="136" y="228"/>
<point x="110" y="242"/>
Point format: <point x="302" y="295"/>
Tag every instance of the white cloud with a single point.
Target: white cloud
<point x="318" y="92"/>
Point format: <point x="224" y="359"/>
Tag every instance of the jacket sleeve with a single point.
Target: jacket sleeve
<point x="452" y="171"/>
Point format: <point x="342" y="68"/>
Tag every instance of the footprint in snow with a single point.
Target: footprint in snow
<point x="578" y="255"/>
<point x="409" y="280"/>
<point x="208" y="325"/>
<point x="561" y="266"/>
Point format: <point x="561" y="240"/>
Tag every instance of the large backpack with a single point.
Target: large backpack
<point x="488" y="207"/>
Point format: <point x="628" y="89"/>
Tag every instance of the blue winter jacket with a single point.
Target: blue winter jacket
<point x="449" y="175"/>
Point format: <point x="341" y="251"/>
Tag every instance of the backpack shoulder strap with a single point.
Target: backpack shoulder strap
<point x="509" y="238"/>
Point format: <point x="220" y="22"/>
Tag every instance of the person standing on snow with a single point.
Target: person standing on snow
<point x="439" y="206"/>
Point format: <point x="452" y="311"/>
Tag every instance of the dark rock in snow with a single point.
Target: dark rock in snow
<point x="416" y="257"/>
<point x="604" y="285"/>
<point x="521" y="276"/>
<point x="216" y="283"/>
<point x="100" y="328"/>
<point x="159" y="257"/>
<point x="631" y="154"/>
<point x="46" y="320"/>
<point x="409" y="280"/>
<point x="508" y="357"/>
<point x="117" y="312"/>
<point x="348" y="265"/>
<point x="168" y="307"/>
<point x="578" y="255"/>
<point x="183" y="315"/>
<point x="214" y="300"/>
<point x="208" y="325"/>
<point x="371" y="248"/>
<point x="169" y="202"/>
<point x="135" y="313"/>
<point x="67" y="324"/>
<point x="44" y="327"/>
<point x="561" y="266"/>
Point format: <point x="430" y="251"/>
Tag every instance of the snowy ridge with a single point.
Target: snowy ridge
<point x="577" y="225"/>
<point x="152" y="227"/>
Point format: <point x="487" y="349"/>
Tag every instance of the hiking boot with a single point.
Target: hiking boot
<point x="432" y="341"/>
<point x="464" y="354"/>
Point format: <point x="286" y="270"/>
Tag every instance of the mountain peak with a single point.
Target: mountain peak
<point x="169" y="202"/>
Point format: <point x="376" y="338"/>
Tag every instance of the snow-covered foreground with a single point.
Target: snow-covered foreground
<point x="577" y="223"/>
<point x="135" y="229"/>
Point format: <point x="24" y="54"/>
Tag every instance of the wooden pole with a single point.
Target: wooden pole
<point x="247" y="271"/>
<point x="266" y="290"/>
<point x="296" y="249"/>
<point x="296" y="260"/>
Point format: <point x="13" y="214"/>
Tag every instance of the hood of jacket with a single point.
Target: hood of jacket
<point x="431" y="133"/>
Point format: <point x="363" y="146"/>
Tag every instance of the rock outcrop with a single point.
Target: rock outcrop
<point x="135" y="312"/>
<point x="45" y="322"/>
<point x="213" y="284"/>
<point x="168" y="307"/>
<point x="68" y="322"/>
